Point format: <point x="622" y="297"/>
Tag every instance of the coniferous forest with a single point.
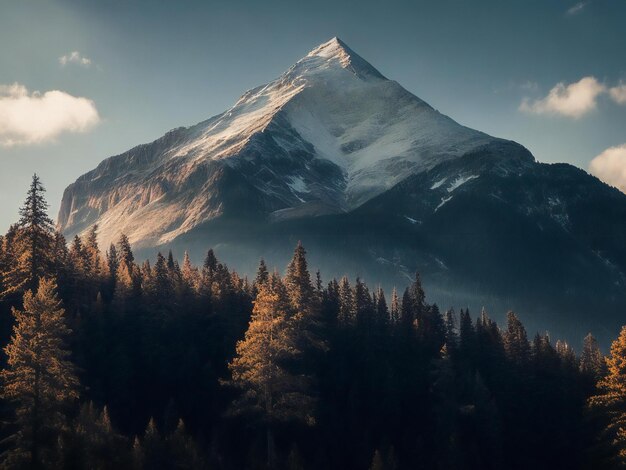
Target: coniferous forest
<point x="113" y="362"/>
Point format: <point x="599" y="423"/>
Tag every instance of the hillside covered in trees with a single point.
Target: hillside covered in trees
<point x="113" y="363"/>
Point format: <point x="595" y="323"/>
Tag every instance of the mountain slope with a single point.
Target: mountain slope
<point x="326" y="136"/>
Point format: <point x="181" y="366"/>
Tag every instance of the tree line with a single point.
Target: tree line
<point x="112" y="363"/>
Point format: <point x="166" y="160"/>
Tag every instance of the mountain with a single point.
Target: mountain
<point x="326" y="136"/>
<point x="376" y="182"/>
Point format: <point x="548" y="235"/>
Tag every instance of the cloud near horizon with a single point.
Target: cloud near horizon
<point x="618" y="93"/>
<point x="32" y="118"/>
<point x="75" y="57"/>
<point x="571" y="100"/>
<point x="610" y="167"/>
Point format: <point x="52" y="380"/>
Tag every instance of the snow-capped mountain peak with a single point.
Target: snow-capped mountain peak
<point x="331" y="122"/>
<point x="336" y="51"/>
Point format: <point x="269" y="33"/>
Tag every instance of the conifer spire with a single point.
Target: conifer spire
<point x="39" y="379"/>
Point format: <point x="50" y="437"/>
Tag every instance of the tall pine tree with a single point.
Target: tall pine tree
<point x="40" y="378"/>
<point x="260" y="366"/>
<point x="32" y="245"/>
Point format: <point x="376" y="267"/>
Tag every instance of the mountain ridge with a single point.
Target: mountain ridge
<point x="344" y="132"/>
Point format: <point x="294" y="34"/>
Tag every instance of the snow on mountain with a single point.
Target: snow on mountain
<point x="327" y="135"/>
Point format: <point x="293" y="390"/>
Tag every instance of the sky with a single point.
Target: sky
<point x="82" y="80"/>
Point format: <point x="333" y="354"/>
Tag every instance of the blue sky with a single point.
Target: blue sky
<point x="113" y="74"/>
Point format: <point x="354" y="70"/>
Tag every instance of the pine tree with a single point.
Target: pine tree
<point x="433" y="328"/>
<point x="467" y="336"/>
<point x="32" y="245"/>
<point x="112" y="260"/>
<point x="609" y="404"/>
<point x="413" y="305"/>
<point x="516" y="341"/>
<point x="190" y="281"/>
<point x="319" y="285"/>
<point x="382" y="312"/>
<point x="259" y="368"/>
<point x="210" y="265"/>
<point x="189" y="273"/>
<point x="183" y="449"/>
<point x="138" y="455"/>
<point x="125" y="289"/>
<point x="93" y="442"/>
<point x="262" y="274"/>
<point x="152" y="446"/>
<point x="96" y="265"/>
<point x="77" y="257"/>
<point x="299" y="286"/>
<point x="162" y="290"/>
<point x="592" y="363"/>
<point x="567" y="356"/>
<point x="363" y="306"/>
<point x="394" y="311"/>
<point x="347" y="308"/>
<point x="124" y="252"/>
<point x="39" y="378"/>
<point x="450" y="329"/>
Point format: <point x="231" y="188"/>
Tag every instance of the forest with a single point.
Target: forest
<point x="109" y="362"/>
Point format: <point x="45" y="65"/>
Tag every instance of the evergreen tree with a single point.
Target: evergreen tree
<point x="32" y="245"/>
<point x="190" y="281"/>
<point x="515" y="341"/>
<point x="450" y="329"/>
<point x="152" y="447"/>
<point x="93" y="443"/>
<point x="262" y="274"/>
<point x="382" y="312"/>
<point x="319" y="285"/>
<point x="124" y="252"/>
<point x="162" y="290"/>
<point x="125" y="288"/>
<point x="609" y="404"/>
<point x="413" y="304"/>
<point x="183" y="449"/>
<point x="394" y="311"/>
<point x="445" y="408"/>
<point x="363" y="307"/>
<point x="407" y="312"/>
<point x="138" y="455"/>
<point x="259" y="368"/>
<point x="467" y="336"/>
<point x="39" y="378"/>
<point x="592" y="362"/>
<point x="567" y="356"/>
<point x="112" y="259"/>
<point x="347" y="308"/>
<point x="299" y="286"/>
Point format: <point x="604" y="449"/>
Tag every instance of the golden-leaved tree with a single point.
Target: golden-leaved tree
<point x="39" y="379"/>
<point x="261" y="366"/>
<point x="609" y="404"/>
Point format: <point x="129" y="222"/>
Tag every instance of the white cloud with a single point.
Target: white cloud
<point x="529" y="85"/>
<point x="31" y="118"/>
<point x="618" y="93"/>
<point x="75" y="57"/>
<point x="610" y="167"/>
<point x="578" y="8"/>
<point x="573" y="100"/>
